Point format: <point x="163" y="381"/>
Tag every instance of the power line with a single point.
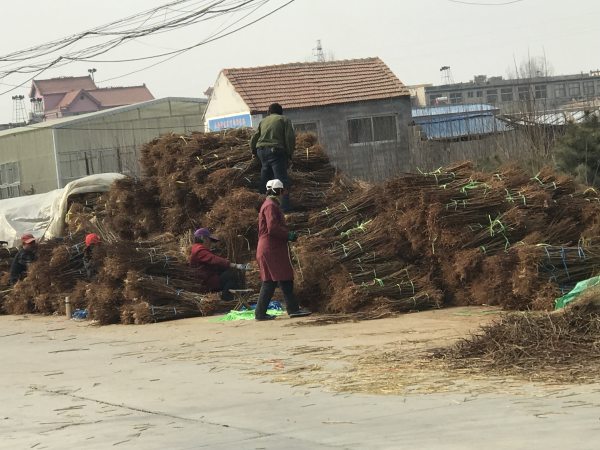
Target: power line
<point x="486" y="4"/>
<point x="206" y="41"/>
<point x="31" y="60"/>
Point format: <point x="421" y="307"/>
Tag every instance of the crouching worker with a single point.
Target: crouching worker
<point x="216" y="273"/>
<point x="273" y="256"/>
<point x="91" y="241"/>
<point x="26" y="255"/>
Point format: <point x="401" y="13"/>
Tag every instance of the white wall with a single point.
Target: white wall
<point x="224" y="101"/>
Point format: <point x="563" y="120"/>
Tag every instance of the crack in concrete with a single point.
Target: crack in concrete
<point x="151" y="412"/>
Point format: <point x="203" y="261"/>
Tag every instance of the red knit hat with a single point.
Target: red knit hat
<point x="91" y="239"/>
<point x="27" y="238"/>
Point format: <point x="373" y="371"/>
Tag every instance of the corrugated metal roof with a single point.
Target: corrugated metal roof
<point x="453" y="109"/>
<point x="463" y="127"/>
<point x="457" y="121"/>
<point x="65" y="122"/>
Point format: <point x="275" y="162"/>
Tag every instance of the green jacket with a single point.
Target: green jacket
<point x="275" y="131"/>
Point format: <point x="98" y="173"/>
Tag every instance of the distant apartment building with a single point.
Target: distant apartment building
<point x="514" y="95"/>
<point x="71" y="96"/>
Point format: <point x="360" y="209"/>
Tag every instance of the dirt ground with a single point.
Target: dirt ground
<point x="379" y="356"/>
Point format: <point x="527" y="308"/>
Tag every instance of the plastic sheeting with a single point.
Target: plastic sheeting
<point x="579" y="288"/>
<point x="43" y="215"/>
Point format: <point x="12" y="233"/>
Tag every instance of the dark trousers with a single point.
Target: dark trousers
<point x="274" y="164"/>
<point x="266" y="294"/>
<point x="229" y="279"/>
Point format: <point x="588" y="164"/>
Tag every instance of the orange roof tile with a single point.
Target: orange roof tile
<point x="300" y="85"/>
<point x="120" y="96"/>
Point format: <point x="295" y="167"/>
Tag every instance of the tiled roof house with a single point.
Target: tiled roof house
<point x="68" y="96"/>
<point x="359" y="108"/>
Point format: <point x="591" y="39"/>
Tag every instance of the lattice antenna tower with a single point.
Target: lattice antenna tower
<point x="446" y="75"/>
<point x="19" y="112"/>
<point x="318" y="52"/>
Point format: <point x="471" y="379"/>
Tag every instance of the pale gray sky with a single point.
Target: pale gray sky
<point x="414" y="37"/>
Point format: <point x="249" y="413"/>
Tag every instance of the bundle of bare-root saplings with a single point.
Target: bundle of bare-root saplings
<point x="452" y="236"/>
<point x="199" y="180"/>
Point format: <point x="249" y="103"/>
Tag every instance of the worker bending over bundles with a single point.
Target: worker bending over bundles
<point x="25" y="256"/>
<point x="216" y="273"/>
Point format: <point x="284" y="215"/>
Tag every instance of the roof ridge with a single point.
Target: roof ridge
<point x="118" y="87"/>
<point x="307" y="63"/>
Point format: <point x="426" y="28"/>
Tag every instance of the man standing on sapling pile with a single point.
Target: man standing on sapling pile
<point x="273" y="144"/>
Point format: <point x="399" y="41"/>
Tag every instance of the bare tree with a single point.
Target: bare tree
<point x="531" y="67"/>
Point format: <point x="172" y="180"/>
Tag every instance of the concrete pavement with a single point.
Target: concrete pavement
<point x="189" y="384"/>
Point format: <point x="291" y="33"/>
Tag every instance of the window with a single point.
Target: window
<point x="491" y="95"/>
<point x="588" y="87"/>
<point x="470" y="94"/>
<point x="372" y="129"/>
<point x="432" y="99"/>
<point x="541" y="91"/>
<point x="574" y="90"/>
<point x="384" y="128"/>
<point x="560" y="91"/>
<point x="309" y="127"/>
<point x="523" y="92"/>
<point x="456" y="97"/>
<point x="78" y="164"/>
<point x="479" y="94"/>
<point x="10" y="180"/>
<point x="506" y="94"/>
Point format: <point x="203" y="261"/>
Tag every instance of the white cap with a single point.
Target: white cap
<point x="274" y="184"/>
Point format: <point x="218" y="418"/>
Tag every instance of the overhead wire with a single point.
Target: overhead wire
<point x="120" y="32"/>
<point x="118" y="36"/>
<point x="172" y="55"/>
<point x="486" y="4"/>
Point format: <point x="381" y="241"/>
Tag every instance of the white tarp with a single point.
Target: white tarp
<point x="43" y="215"/>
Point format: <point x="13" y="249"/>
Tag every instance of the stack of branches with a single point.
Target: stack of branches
<point x="536" y="343"/>
<point x="185" y="175"/>
<point x="458" y="231"/>
<point x="390" y="247"/>
<point x="131" y="208"/>
<point x="154" y="299"/>
<point x="55" y="273"/>
<point x="132" y="278"/>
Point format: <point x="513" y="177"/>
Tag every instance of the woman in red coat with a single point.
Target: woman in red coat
<point x="273" y="257"/>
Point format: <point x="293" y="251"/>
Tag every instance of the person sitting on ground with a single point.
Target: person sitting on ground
<point x="272" y="255"/>
<point x="26" y="255"/>
<point x="91" y="241"/>
<point x="215" y="272"/>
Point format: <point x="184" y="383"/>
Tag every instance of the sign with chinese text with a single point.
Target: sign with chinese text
<point x="222" y="123"/>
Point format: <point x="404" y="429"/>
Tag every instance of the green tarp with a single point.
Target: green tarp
<point x="563" y="301"/>
<point x="243" y="315"/>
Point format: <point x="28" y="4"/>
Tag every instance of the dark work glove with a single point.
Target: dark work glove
<point x="292" y="236"/>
